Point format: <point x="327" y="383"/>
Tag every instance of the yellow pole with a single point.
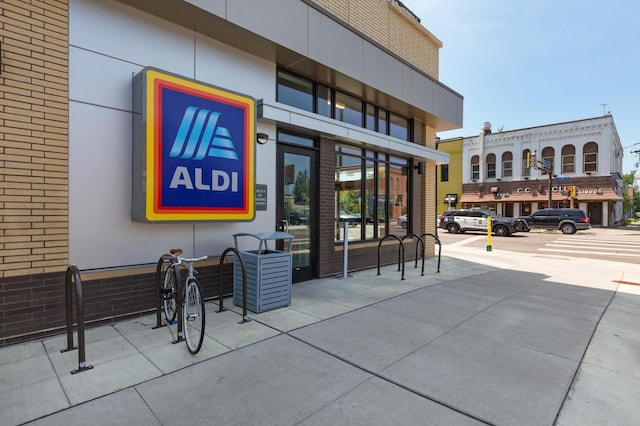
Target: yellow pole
<point x="489" y="233"/>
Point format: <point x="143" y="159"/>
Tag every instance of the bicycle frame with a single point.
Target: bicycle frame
<point x="177" y="262"/>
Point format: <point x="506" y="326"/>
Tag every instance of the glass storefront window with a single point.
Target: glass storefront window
<point x="296" y="140"/>
<point x="371" y="193"/>
<point x="382" y="121"/>
<point x="370" y="118"/>
<point x="329" y="102"/>
<point x="323" y="103"/>
<point x="348" y="191"/>
<point x="348" y="109"/>
<point x="398" y="127"/>
<point x="295" y="91"/>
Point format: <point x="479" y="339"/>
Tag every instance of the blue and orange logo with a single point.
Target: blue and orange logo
<point x="200" y="152"/>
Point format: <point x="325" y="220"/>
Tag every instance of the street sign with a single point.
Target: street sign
<point x="562" y="178"/>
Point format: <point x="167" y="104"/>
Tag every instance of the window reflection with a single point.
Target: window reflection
<point x="364" y="199"/>
<point x="329" y="102"/>
<point x="295" y="91"/>
<point x="348" y="109"/>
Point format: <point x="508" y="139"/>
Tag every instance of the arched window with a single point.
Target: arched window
<point x="568" y="159"/>
<point x="526" y="171"/>
<point x="547" y="158"/>
<point x="475" y="167"/>
<point x="507" y="164"/>
<point x="491" y="166"/>
<point x="590" y="152"/>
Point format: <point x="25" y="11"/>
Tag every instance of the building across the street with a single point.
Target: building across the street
<point x="132" y="127"/>
<point x="517" y="172"/>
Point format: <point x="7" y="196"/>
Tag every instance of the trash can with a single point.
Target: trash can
<point x="268" y="273"/>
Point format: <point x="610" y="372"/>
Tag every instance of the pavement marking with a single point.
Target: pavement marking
<point x="626" y="282"/>
<point x="591" y="252"/>
<point x="580" y="247"/>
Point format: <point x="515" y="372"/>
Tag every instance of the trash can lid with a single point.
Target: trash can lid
<point x="275" y="235"/>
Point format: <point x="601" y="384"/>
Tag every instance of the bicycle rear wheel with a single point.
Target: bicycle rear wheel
<point x="193" y="316"/>
<point x="169" y="293"/>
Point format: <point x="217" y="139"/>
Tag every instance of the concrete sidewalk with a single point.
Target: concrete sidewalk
<point x="495" y="337"/>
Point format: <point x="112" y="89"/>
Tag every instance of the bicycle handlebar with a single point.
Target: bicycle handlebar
<point x="194" y="259"/>
<point x="177" y="252"/>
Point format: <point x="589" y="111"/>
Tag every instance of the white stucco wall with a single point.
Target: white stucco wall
<point x="577" y="133"/>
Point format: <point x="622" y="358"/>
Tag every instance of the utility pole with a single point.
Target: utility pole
<point x="545" y="166"/>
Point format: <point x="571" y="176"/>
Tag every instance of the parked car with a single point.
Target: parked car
<point x="566" y="220"/>
<point x="402" y="221"/>
<point x="351" y="218"/>
<point x="455" y="221"/>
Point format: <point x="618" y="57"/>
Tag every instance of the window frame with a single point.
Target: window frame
<point x="387" y="190"/>
<point x="382" y="121"/>
<point x="491" y="166"/>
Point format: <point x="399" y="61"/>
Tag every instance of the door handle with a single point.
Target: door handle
<point x="284" y="225"/>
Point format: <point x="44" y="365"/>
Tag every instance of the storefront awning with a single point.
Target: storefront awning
<point x="604" y="194"/>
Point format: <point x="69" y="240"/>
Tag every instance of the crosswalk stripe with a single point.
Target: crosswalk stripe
<point x="620" y="246"/>
<point x="590" y="252"/>
<point x="580" y="247"/>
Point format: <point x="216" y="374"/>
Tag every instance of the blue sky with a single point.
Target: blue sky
<point x="522" y="63"/>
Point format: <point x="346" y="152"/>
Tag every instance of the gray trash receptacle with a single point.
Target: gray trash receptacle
<point x="268" y="272"/>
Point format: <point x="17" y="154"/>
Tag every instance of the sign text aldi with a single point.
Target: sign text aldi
<point x="194" y="151"/>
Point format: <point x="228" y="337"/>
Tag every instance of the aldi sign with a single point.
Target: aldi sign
<point x="194" y="151"/>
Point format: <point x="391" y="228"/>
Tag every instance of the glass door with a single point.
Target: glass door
<point x="296" y="206"/>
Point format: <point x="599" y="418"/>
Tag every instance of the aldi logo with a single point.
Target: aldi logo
<point x="195" y="157"/>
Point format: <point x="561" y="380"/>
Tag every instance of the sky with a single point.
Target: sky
<point x="522" y="64"/>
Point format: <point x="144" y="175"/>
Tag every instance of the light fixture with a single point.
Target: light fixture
<point x="262" y="138"/>
<point x="419" y="167"/>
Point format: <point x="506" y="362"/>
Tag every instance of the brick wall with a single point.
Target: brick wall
<point x="386" y="23"/>
<point x="33" y="306"/>
<point x="33" y="137"/>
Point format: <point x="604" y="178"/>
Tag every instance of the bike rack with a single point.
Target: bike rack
<point x="435" y="237"/>
<point x="165" y="258"/>
<point x="400" y="252"/>
<point x="73" y="276"/>
<point x="244" y="284"/>
<point x="419" y="244"/>
<point x="168" y="258"/>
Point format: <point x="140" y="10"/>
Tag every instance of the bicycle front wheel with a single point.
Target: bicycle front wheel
<point x="169" y="292"/>
<point x="193" y="316"/>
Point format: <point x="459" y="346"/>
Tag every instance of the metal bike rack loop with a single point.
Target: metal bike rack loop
<point x="435" y="237"/>
<point x="400" y="252"/>
<point x="418" y="245"/>
<point x="244" y="284"/>
<point x="73" y="277"/>
<point x="168" y="258"/>
<point x="165" y="258"/>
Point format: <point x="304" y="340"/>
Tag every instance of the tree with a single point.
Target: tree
<point x="301" y="189"/>
<point x="631" y="203"/>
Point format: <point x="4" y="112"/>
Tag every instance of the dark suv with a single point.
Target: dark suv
<point x="567" y="220"/>
<point x="455" y="221"/>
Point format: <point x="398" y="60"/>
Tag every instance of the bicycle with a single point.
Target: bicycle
<point x="187" y="299"/>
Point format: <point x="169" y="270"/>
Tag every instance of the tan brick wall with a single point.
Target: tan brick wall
<point x="385" y="22"/>
<point x="34" y="230"/>
<point x="429" y="188"/>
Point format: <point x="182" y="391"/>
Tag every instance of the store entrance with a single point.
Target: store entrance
<point x="296" y="207"/>
<point x="594" y="212"/>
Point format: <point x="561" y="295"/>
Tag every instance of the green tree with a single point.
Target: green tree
<point x="302" y="188"/>
<point x="631" y="203"/>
